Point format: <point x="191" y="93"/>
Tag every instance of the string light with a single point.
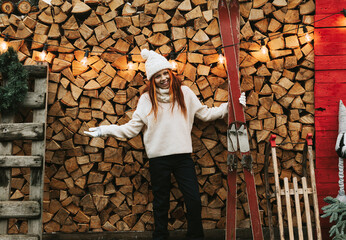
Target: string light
<point x="43" y="54"/>
<point x="4" y="44"/>
<point x="225" y="46"/>
<point x="130" y="64"/>
<point x="250" y="41"/>
<point x="264" y="49"/>
<point x="221" y="57"/>
<point x="172" y="61"/>
<point x="307" y="36"/>
<point x="85" y="58"/>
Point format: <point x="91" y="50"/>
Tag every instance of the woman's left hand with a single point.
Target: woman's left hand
<point x="93" y="132"/>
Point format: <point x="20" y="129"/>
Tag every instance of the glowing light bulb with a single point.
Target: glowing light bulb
<point x="174" y="64"/>
<point x="85" y="58"/>
<point x="43" y="55"/>
<point x="308" y="37"/>
<point x="264" y="49"/>
<point x="172" y="57"/>
<point x="4" y="46"/>
<point x="84" y="61"/>
<point x="130" y="65"/>
<point x="221" y="59"/>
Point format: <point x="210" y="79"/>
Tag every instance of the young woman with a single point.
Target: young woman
<point x="165" y="113"/>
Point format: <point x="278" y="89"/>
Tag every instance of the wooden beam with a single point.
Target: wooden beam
<point x="20" y="161"/>
<point x="25" y="209"/>
<point x="38" y="71"/>
<point x="24" y="131"/>
<point x="34" y="100"/>
<point x="19" y="237"/>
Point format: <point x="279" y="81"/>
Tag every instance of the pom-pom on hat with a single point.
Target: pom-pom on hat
<point x="154" y="62"/>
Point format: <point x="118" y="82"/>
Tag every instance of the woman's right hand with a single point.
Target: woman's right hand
<point x="93" y="132"/>
<point x="242" y="99"/>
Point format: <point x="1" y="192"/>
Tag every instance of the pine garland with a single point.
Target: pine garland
<point x="336" y="210"/>
<point x="15" y="77"/>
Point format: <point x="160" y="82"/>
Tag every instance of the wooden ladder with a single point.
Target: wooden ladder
<point x="35" y="131"/>
<point x="286" y="192"/>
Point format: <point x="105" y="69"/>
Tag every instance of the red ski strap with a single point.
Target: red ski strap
<point x="272" y="140"/>
<point x="309" y="139"/>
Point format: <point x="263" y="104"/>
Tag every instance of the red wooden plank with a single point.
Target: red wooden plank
<point x="326" y="106"/>
<point x="330" y="41"/>
<point x="327" y="98"/>
<point x="326" y="125"/>
<point x="325" y="20"/>
<point x="330" y="6"/>
<point x="329" y="189"/>
<point x="329" y="88"/>
<point x="332" y="89"/>
<point x="328" y="76"/>
<point x="330" y="62"/>
<point x="325" y="162"/>
<point x="327" y="152"/>
<point x="325" y="147"/>
<point x="327" y="175"/>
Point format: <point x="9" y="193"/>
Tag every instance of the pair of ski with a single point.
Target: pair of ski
<point x="237" y="131"/>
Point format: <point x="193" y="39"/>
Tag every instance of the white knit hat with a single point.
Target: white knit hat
<point x="154" y="62"/>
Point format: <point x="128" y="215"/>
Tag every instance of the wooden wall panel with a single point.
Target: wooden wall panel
<point x="330" y="88"/>
<point x="328" y="7"/>
<point x="330" y="41"/>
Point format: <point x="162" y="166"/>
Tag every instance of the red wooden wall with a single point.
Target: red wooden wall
<point x="330" y="87"/>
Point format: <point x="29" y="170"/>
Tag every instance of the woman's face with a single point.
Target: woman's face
<point x="162" y="79"/>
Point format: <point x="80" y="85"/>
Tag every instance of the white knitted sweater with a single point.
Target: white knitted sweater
<point x="170" y="133"/>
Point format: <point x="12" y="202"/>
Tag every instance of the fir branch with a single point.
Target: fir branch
<point x="336" y="211"/>
<point x="15" y="76"/>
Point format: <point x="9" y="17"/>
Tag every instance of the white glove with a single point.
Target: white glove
<point x="94" y="132"/>
<point x="242" y="99"/>
<point x="340" y="146"/>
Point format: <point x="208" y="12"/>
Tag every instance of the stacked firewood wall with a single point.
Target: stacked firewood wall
<point x="279" y="82"/>
<point x="103" y="184"/>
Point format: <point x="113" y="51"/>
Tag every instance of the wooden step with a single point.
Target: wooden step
<point x="21" y="131"/>
<point x="19" y="237"/>
<point x="20" y="161"/>
<point x="24" y="209"/>
<point x="34" y="100"/>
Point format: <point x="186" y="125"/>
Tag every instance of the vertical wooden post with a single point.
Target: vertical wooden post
<point x="288" y="209"/>
<point x="266" y="180"/>
<point x="5" y="173"/>
<point x="277" y="186"/>
<point x="313" y="186"/>
<point x="307" y="208"/>
<point x="38" y="148"/>
<point x="298" y="212"/>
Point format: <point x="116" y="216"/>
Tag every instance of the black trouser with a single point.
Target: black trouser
<point x="182" y="166"/>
